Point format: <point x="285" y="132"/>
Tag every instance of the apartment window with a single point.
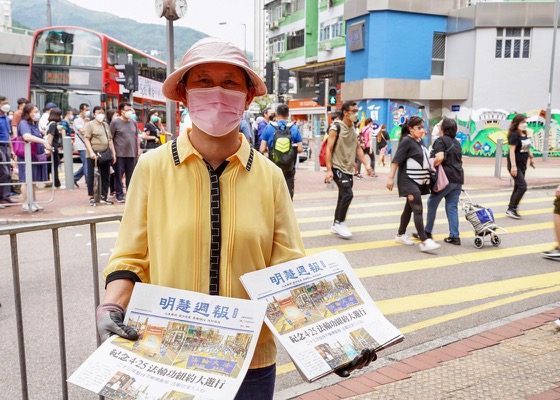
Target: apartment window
<point x="438" y="53"/>
<point x="331" y="29"/>
<point x="276" y="46"/>
<point x="275" y="13"/>
<point x="513" y="42"/>
<point x="295" y="39"/>
<point x="297" y="5"/>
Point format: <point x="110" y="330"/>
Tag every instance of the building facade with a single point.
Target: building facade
<point x="476" y="61"/>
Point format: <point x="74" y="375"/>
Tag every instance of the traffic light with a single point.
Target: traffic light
<point x="269" y="76"/>
<point x="130" y="78"/>
<point x="320" y="92"/>
<point x="283" y="81"/>
<point x="332" y="96"/>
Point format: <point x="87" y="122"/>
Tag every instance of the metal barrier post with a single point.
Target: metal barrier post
<point x="29" y="177"/>
<point x="499" y="155"/>
<point x="19" y="317"/>
<point x="68" y="162"/>
<point x="60" y="312"/>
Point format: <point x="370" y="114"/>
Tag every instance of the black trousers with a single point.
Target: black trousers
<point x="519" y="186"/>
<point x="124" y="165"/>
<point x="5" y="175"/>
<point x="104" y="177"/>
<point x="411" y="207"/>
<point x="289" y="176"/>
<point x="344" y="182"/>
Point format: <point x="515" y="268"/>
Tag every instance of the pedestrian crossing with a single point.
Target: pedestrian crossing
<point x="377" y="260"/>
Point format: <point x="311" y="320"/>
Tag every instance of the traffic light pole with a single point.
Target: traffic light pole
<point x="276" y="81"/>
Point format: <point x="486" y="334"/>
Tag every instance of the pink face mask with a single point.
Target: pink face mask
<point x="215" y="110"/>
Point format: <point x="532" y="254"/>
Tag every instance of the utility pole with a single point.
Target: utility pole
<point x="170" y="106"/>
<point x="171" y="10"/>
<point x="49" y="20"/>
<point x="548" y="105"/>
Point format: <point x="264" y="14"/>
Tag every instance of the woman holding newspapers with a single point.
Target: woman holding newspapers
<point x="186" y="224"/>
<point x="446" y="153"/>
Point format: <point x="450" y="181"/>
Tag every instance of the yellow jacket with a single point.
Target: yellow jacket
<point x="164" y="237"/>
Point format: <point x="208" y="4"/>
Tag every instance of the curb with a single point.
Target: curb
<point x="403" y="365"/>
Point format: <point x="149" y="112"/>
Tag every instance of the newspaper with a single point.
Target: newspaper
<point x="320" y="312"/>
<point x="192" y="346"/>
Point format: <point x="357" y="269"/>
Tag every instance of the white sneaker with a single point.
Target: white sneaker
<point x="38" y="207"/>
<point x="557" y="322"/>
<point x="404" y="239"/>
<point x="429" y="245"/>
<point x="341" y="230"/>
<point x="25" y="207"/>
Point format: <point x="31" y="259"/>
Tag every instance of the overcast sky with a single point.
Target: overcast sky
<point x="202" y="15"/>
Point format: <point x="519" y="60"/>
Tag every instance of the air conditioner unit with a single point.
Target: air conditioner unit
<point x="286" y="1"/>
<point x="327" y="47"/>
<point x="274" y="25"/>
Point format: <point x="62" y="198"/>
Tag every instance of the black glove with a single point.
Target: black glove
<point x="363" y="360"/>
<point x="109" y="318"/>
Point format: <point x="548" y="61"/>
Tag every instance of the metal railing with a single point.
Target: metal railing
<point x="28" y="164"/>
<point x="54" y="227"/>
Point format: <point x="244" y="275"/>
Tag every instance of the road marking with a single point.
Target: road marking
<point x="473" y="310"/>
<point x="395" y="225"/>
<point x="378" y="244"/>
<point x="391" y="202"/>
<point x="467" y="293"/>
<point x="445" y="261"/>
<point x="307" y="220"/>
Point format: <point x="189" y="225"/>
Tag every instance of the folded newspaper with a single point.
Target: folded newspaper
<point x="320" y="312"/>
<point x="191" y="346"/>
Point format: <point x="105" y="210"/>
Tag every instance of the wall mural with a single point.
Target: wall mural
<point x="480" y="130"/>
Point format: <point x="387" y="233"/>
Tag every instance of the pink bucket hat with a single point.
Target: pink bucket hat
<point x="210" y="50"/>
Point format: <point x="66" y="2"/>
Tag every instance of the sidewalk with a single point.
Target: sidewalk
<point x="309" y="185"/>
<point x="517" y="360"/>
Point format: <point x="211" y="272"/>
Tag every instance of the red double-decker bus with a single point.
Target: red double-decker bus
<point x="72" y="65"/>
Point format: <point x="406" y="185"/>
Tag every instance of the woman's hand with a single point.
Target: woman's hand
<point x="390" y="183"/>
<point x="513" y="171"/>
<point x="47" y="145"/>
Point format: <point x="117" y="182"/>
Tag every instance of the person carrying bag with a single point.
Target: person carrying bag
<point x="447" y="156"/>
<point x="100" y="152"/>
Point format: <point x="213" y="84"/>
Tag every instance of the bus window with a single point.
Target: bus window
<point x="111" y="54"/>
<point x="67" y="48"/>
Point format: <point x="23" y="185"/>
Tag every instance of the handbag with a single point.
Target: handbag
<point x="438" y="178"/>
<point x="106" y="156"/>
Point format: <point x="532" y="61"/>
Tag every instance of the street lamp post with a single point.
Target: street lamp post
<point x="244" y="36"/>
<point x="549" y="105"/>
<point x="171" y="10"/>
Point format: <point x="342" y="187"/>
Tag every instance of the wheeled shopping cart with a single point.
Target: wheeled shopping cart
<point x="482" y="222"/>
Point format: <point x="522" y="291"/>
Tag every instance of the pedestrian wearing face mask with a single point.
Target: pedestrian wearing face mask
<point x="212" y="172"/>
<point x="342" y="149"/>
<point x="127" y="146"/>
<point x="151" y="130"/>
<point x="28" y="129"/>
<point x="519" y="154"/>
<point x="98" y="138"/>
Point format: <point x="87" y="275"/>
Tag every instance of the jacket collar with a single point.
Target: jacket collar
<point x="185" y="149"/>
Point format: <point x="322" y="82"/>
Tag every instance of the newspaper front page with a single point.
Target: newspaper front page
<point x="320" y="312"/>
<point x="192" y="346"/>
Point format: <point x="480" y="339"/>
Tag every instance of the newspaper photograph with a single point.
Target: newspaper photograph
<point x="320" y="312"/>
<point x="191" y="346"/>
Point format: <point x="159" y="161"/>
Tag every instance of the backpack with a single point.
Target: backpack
<point x="282" y="153"/>
<point x="323" y="152"/>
